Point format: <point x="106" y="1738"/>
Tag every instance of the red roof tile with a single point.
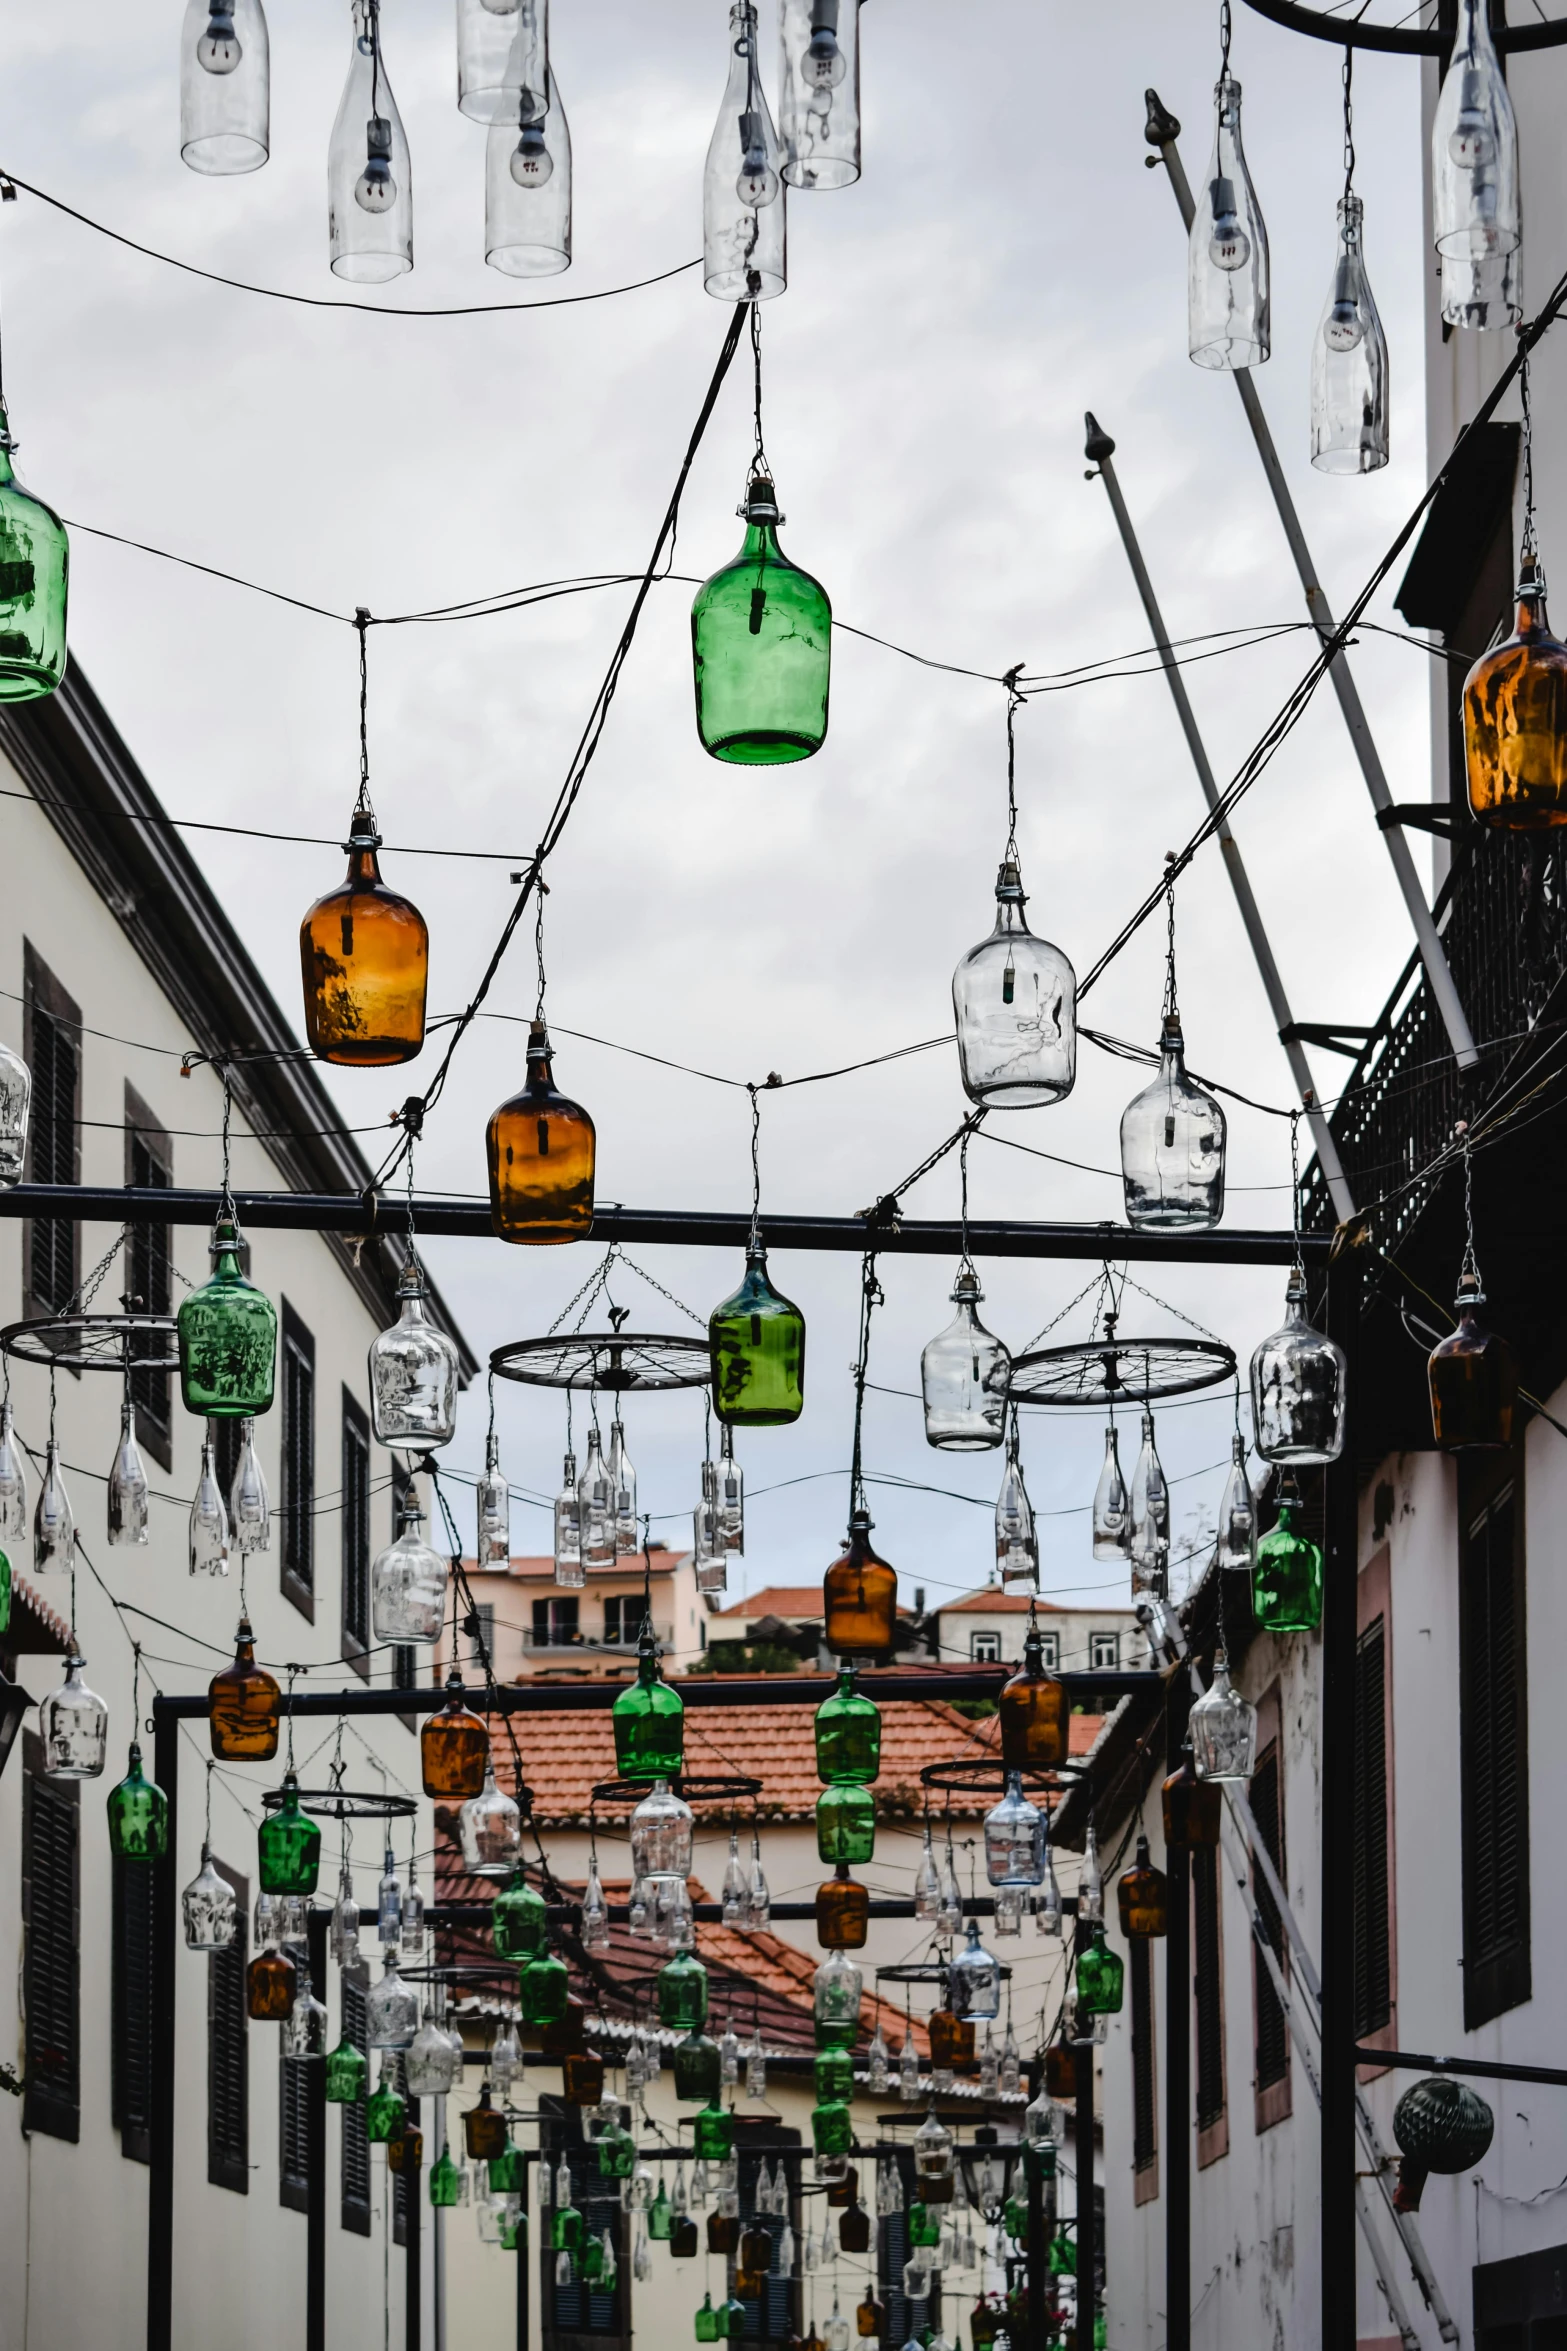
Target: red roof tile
<point x="784" y="1600"/>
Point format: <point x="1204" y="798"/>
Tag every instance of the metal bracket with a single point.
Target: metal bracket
<point x="1332" y="1035"/>
<point x="1426" y="816"/>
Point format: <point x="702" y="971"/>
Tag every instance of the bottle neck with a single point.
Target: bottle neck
<point x="761" y="543"/>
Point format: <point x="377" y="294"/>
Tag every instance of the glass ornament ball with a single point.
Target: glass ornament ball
<point x="227" y="1337"/>
<point x="756" y="1342"/>
<point x="1014" y="998"/>
<point x="1298" y="1381"/>
<point x="541" y="1149"/>
<point x="761" y="644"/>
<point x="34" y="563"/>
<point x="413" y="1370"/>
<point x="73" y="1723"/>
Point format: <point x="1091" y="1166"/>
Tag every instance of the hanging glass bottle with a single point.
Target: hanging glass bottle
<point x="662" y="1830"/>
<point x="1112" y="1519"/>
<point x="1227" y="250"/>
<point x="860" y="1596"/>
<point x="271" y="1985"/>
<point x="848" y="1735"/>
<point x="244" y="1706"/>
<point x="1222" y="1728"/>
<point x="493" y="1504"/>
<point x="541" y="1150"/>
<point x="527" y="185"/>
<point x="73" y="1723"/>
<point x="761" y="1900"/>
<point x="974" y="1979"/>
<point x="225" y="86"/>
<point x="1237" y="1536"/>
<point x="1349" y="362"/>
<point x="734" y="1898"/>
<point x="593" y="1924"/>
<point x="413" y="1915"/>
<point x="756" y="1339"/>
<point x="138" y="1815"/>
<point x="682" y="1993"/>
<point x="819" y="92"/>
<point x="1143" y="1896"/>
<point x="761" y="636"/>
<point x="595" y="1508"/>
<point x="1017" y="1542"/>
<point x="1014" y="1838"/>
<point x="454" y="1747"/>
<point x="709" y="1559"/>
<point x="369" y="174"/>
<point x="623" y="1492"/>
<point x="343" y="1929"/>
<point x="1192" y="1807"/>
<point x="1090" y="1882"/>
<point x="408" y="1581"/>
<point x="413" y="1373"/>
<point x="34" y="563"/>
<point x="730" y="1497"/>
<point x="490" y="1827"/>
<point x="227" y="1336"/>
<point x="364" y="956"/>
<point x="304" y="2027"/>
<point x="1101" y="1977"/>
<point x="1473" y="1378"/>
<point x="543" y="1989"/>
<point x="1148" y="1512"/>
<point x="1475" y="212"/>
<point x="209" y="1521"/>
<point x="288" y="1845"/>
<point x="569" y="1573"/>
<point x="1172" y="1145"/>
<point x="964" y="1372"/>
<point x="13" y="1481"/>
<point x="1515" y="719"/>
<point x="927" y="1880"/>
<point x="837" y="1987"/>
<point x="389" y="1905"/>
<point x="1286" y="1583"/>
<point x="391" y="2010"/>
<point x="128" y="1488"/>
<point x="505" y="2058"/>
<point x="502" y="48"/>
<point x="1015" y="1000"/>
<point x="845" y="1824"/>
<point x="210" y="1908"/>
<point x="1035" y="1711"/>
<point x="54" y="1521"/>
<point x="250" y="1510"/>
<point x="431" y="2067"/>
<point x="16" y="1086"/>
<point x="1297" y="1388"/>
<point x="743" y="232"/>
<point x="648" y="1720"/>
<point x="1482" y="295"/>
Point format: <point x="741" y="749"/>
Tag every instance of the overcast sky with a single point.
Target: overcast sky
<point x="1005" y="263"/>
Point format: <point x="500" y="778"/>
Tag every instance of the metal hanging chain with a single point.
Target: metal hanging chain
<point x="1170" y="1009"/>
<point x="755" y="1240"/>
<point x="490" y="1431"/>
<point x="1224" y="40"/>
<point x="1529" y="549"/>
<point x="135" y="1688"/>
<point x="362" y="624"/>
<point x="759" y="464"/>
<point x="226" y="1204"/>
<point x="207" y="1832"/>
<point x="1469" y="1272"/>
<point x="413" y="1246"/>
<point x="870" y="1297"/>
<point x="87" y="1290"/>
<point x="538" y="944"/>
<point x="289" y="1710"/>
<point x="373" y="11"/>
<point x="1349" y="125"/>
<point x="967" y="1263"/>
<point x="1300" y="1262"/>
<point x="1015" y="702"/>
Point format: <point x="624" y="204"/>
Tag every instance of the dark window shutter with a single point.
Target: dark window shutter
<point x="577" y="2314"/>
<point x="149" y="1166"/>
<point x="293" y="2136"/>
<point x="1494" y="1732"/>
<point x="400" y="2179"/>
<point x="131" y="2008"/>
<point x="1273" y="2055"/>
<point x="53" y="1051"/>
<point x="892" y="2251"/>
<point x="356" y="1526"/>
<point x="228" y="2053"/>
<point x="299" y="1463"/>
<point x="1373" y="1968"/>
<point x="1209" y="1988"/>
<point x="51" y="1971"/>
<point x="355" y="2212"/>
<point x="1145" y="2102"/>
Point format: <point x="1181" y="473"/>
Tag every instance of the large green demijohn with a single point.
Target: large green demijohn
<point x="138" y="1815"/>
<point x="289" y="1845"/>
<point x="648" y="1720"/>
<point x="34" y="562"/>
<point x="228" y="1336"/>
<point x="756" y="1340"/>
<point x="1286" y="1582"/>
<point x="761" y="643"/>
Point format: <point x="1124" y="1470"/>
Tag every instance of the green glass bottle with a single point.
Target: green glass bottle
<point x="698" y="2068"/>
<point x="445" y="2180"/>
<point x="757" y="1343"/>
<point x="383" y="2115"/>
<point x="519" y="1921"/>
<point x="543" y="1988"/>
<point x="1061" y="2260"/>
<point x="1014" y="2214"/>
<point x="1101" y="2331"/>
<point x="714" y="2132"/>
<point x="835" y="2033"/>
<point x="682" y="1993"/>
<point x="228" y="1337"/>
<point x="507" y="2171"/>
<point x="512" y="2230"/>
<point x="347" y="2074"/>
<point x="659" y="2217"/>
<point x="590" y="2268"/>
<point x="1286" y="1582"/>
<point x="832" y="2128"/>
<point x="566" y="2229"/>
<point x="617" y="2153"/>
<point x="924" y="2225"/>
<point x="832" y="2071"/>
<point x="734" y="2320"/>
<point x="34" y="565"/>
<point x="1101" y="1974"/>
<point x="761" y="643"/>
<point x="845" y="1824"/>
<point x="649" y="1721"/>
<point x="289" y="1844"/>
<point x="138" y="1815"/>
<point x="706" y="2326"/>
<point x="848" y="1735"/>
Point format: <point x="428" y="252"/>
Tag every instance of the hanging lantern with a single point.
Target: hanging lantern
<point x="1101" y="1975"/>
<point x="1034" y="1710"/>
<point x="622" y="1492"/>
<point x="1237" y="1535"/>
<point x="860" y="1597"/>
<point x="454" y="1747"/>
<point x="1227" y="250"/>
<point x="756" y="1339"/>
<point x="209" y="1906"/>
<point x="1441" y="2125"/>
<point x="1349" y="362"/>
<point x="364" y="955"/>
<point x="34" y="562"/>
<point x="1143" y="1896"/>
<point x="1148" y="1517"/>
<point x="1223" y="1729"/>
<point x="73" y="1723"/>
<point x="761" y="641"/>
<point x="250" y="1512"/>
<point x="1014" y="1838"/>
<point x="1297" y="1388"/>
<point x="129" y="1492"/>
<point x="1515" y="720"/>
<point x="227" y="1336"/>
<point x="1473" y="1376"/>
<point x="413" y="1371"/>
<point x="527" y="182"/>
<point x="271" y="1985"/>
<point x="208" y="1548"/>
<point x="743" y="252"/>
<point x="964" y="1373"/>
<point x="244" y="1706"/>
<point x="974" y="1979"/>
<point x="848" y="1735"/>
<point x="845" y="1824"/>
<point x="819" y="93"/>
<point x="138" y="1815"/>
<point x="1475" y="214"/>
<point x="648" y="1720"/>
<point x="662" y="1829"/>
<point x="224" y="86"/>
<point x="1286" y="1583"/>
<point x="369" y="176"/>
<point x="408" y="1582"/>
<point x="1172" y="1146"/>
<point x="541" y="1150"/>
<point x="490" y="1827"/>
<point x="288" y="1844"/>
<point x="1192" y="1808"/>
<point x="569" y="1572"/>
<point x="1017" y="1542"/>
<point x="843" y="1912"/>
<point x="54" y="1521"/>
<point x="1015" y="1001"/>
<point x="346" y="2076"/>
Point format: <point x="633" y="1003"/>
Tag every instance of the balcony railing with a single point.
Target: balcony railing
<point x="560" y="1638"/>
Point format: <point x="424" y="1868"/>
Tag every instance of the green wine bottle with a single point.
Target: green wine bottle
<point x="761" y="644"/>
<point x="757" y="1343"/>
<point x="227" y="1336"/>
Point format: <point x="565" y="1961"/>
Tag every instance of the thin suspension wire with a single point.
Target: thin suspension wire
<point x="1224" y="40"/>
<point x="870" y="1298"/>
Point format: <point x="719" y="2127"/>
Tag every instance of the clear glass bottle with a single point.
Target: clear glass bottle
<point x="389" y="1906"/>
<point x="304" y="2028"/>
<point x="761" y="1901"/>
<point x="16" y="1088"/>
<point x="974" y="1979"/>
<point x="1148" y="1513"/>
<point x="709" y="1558"/>
<point x="413" y="1373"/>
<point x="1112" y="1506"/>
<point x="743" y="231"/>
<point x="1227" y="251"/>
<point x="1297" y="1388"/>
<point x="128" y="1489"/>
<point x="595" y="1508"/>
<point x="408" y="1582"/>
<point x="209" y="1522"/>
<point x="1222" y="1728"/>
<point x="735" y="1896"/>
<point x="502" y="48"/>
<point x="1015" y="1001"/>
<point x="1048" y="1910"/>
<point x="593" y="1925"/>
<point x="34" y="569"/>
<point x="1515" y="721"/>
<point x="1349" y="361"/>
<point x="663" y="1828"/>
<point x="364" y="955"/>
<point x="927" y="1881"/>
<point x="542" y="1150"/>
<point x="527" y="185"/>
<point x="964" y="1373"/>
<point x="1017" y="1541"/>
<point x="819" y="92"/>
<point x="343" y="1929"/>
<point x="370" y="214"/>
<point x="250" y="1508"/>
<point x="493" y="1507"/>
<point x="1014" y="1838"/>
<point x="908" y="2086"/>
<point x="54" y="1521"/>
<point x="1172" y="1147"/>
<point x="73" y="1723"/>
<point x="490" y="1827"/>
<point x="730" y="1496"/>
<point x="210" y="1908"/>
<point x="431" y="2065"/>
<point x="1475" y="210"/>
<point x="391" y="2010"/>
<point x="1482" y="295"/>
<point x="570" y="1575"/>
<point x="1090" y="1882"/>
<point x="837" y="1986"/>
<point x="756" y="1339"/>
<point x="623" y="1492"/>
<point x="225" y="86"/>
<point x="1237" y="1533"/>
<point x="878" y="2064"/>
<point x="13" y="1480"/>
<point x="761" y="643"/>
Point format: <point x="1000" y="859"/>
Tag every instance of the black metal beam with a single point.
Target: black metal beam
<point x="1484" y="2069"/>
<point x="1336" y="1764"/>
<point x="413" y="2217"/>
<point x="315" y="2156"/>
<point x="165" y="1911"/>
<point x="1178" y="2058"/>
<point x="1087" y="2212"/>
<point x="351" y="1212"/>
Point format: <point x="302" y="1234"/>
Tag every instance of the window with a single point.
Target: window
<point x="130" y="2007"/>
<point x="293" y="2135"/>
<point x="299" y="1464"/>
<point x="1104" y="1652"/>
<point x="1145" y="2093"/>
<point x="1272" y="2078"/>
<point x="1050" y="1652"/>
<point x="985" y="1648"/>
<point x="149" y="1167"/>
<point x="1213" y="2129"/>
<point x="570" y="2313"/>
<point x="555" y="1623"/>
<point x="52" y="1048"/>
<point x="228" y="2052"/>
<point x="481" y="1635"/>
<point x="355" y="1521"/>
<point x="774" y="2317"/>
<point x="618" y="1618"/>
<point x="1370" y="1861"/>
<point x="51" y="1915"/>
<point x="892" y="2251"/>
<point x="355" y="2210"/>
<point x="1494" y="1730"/>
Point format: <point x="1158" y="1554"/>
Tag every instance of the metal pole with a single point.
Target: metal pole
<point x="1336" y="1765"/>
<point x="524" y="2256"/>
<point x="1178" y="2059"/>
<point x="1038" y="2250"/>
<point x="1100" y="451"/>
<point x="438" y="2235"/>
<point x="315" y="2157"/>
<point x="1087" y="2217"/>
<point x="413" y="2215"/>
<point x="165" y="1914"/>
<point x="1161" y="131"/>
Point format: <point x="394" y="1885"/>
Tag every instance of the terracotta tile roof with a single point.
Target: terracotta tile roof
<point x="784" y="1600"/>
<point x="1083" y="1730"/>
<point x="994" y="1601"/>
<point x="35" y="1627"/>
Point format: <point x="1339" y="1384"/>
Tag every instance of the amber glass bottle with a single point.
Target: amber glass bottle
<point x="1061" y="2072"/>
<point x="1035" y="1713"/>
<point x="723" y="2232"/>
<point x="406" y="2151"/>
<point x="454" y="1747"/>
<point x="1515" y="721"/>
<point x="842" y="2193"/>
<point x="1192" y="1808"/>
<point x="271" y="1982"/>
<point x="365" y="957"/>
<point x="843" y="1912"/>
<point x="582" y="2078"/>
<point x="854" y="2230"/>
<point x="1144" y="1896"/>
<point x="484" y="2130"/>
<point x="951" y="2039"/>
<point x="244" y="1706"/>
<point x="565" y="2035"/>
<point x="860" y="1596"/>
<point x="1473" y="1376"/>
<point x="541" y="1150"/>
